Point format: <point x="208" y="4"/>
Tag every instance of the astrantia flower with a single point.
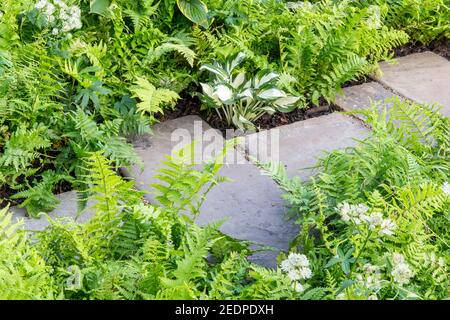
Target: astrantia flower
<point x="305" y="273"/>
<point x="297" y="267"/>
<point x="294" y="275"/>
<point x="41" y="4"/>
<point x="402" y="273"/>
<point x="298" y="259"/>
<point x="374" y="219"/>
<point x="370" y="268"/>
<point x="387" y="227"/>
<point x="397" y="258"/>
<point x="59" y="15"/>
<point x="354" y="213"/>
<point x="297" y="286"/>
<point x="446" y="188"/>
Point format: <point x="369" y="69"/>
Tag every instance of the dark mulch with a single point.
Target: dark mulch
<point x="441" y="47"/>
<point x="191" y="106"/>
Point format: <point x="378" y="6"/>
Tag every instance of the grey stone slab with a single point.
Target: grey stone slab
<point x="422" y="77"/>
<point x="362" y="96"/>
<point x="251" y="202"/>
<point x="299" y="145"/>
<point x="66" y="209"/>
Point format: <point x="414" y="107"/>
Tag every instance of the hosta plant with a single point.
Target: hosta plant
<point x="241" y="100"/>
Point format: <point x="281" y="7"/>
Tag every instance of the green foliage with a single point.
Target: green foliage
<point x="132" y="250"/>
<point x="375" y="219"/>
<point x="111" y="70"/>
<point x="151" y="98"/>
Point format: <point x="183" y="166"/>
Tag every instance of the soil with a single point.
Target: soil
<point x="441" y="47"/>
<point x="191" y="106"/>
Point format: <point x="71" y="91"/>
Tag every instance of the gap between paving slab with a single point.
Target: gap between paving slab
<point x="251" y="203"/>
<point x="421" y="77"/>
<point x="361" y="96"/>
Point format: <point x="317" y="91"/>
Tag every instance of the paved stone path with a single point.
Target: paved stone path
<point x="362" y="96"/>
<point x="302" y="143"/>
<point x="422" y="77"/>
<point x="252" y="202"/>
<point x="66" y="209"/>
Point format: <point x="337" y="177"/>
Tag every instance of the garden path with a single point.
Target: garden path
<point x="252" y="202"/>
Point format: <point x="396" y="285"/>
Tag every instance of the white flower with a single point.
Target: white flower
<point x="294" y="275"/>
<point x="374" y="219"/>
<point x="370" y="268"/>
<point x="297" y="286"/>
<point x="298" y="259"/>
<point x="305" y="273"/>
<point x="41" y="4"/>
<point x="223" y="92"/>
<point x="341" y="296"/>
<point x="374" y="21"/>
<point x="296" y="266"/>
<point x="387" y="227"/>
<point x="354" y="213"/>
<point x="55" y="31"/>
<point x="446" y="188"/>
<point x="49" y="9"/>
<point x="286" y="265"/>
<point x="372" y="297"/>
<point x="402" y="273"/>
<point x="398" y="258"/>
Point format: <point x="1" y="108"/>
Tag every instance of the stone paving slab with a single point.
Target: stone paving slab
<point x="302" y="143"/>
<point x="361" y="97"/>
<point x="251" y="202"/>
<point x="422" y="77"/>
<point x="66" y="209"/>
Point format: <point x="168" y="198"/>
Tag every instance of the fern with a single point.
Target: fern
<point x="152" y="99"/>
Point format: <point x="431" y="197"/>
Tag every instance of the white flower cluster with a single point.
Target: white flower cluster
<point x="60" y="15"/>
<point x="374" y="20"/>
<point x="371" y="277"/>
<point x="358" y="214"/>
<point x="402" y="273"/>
<point x="297" y="268"/>
<point x="446" y="188"/>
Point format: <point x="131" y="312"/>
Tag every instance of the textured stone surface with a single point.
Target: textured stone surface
<point x="251" y="203"/>
<point x="302" y="143"/>
<point x="362" y="96"/>
<point x="67" y="208"/>
<point x="422" y="77"/>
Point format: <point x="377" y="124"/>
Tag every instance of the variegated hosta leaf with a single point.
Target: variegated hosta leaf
<point x="271" y="94"/>
<point x="242" y="122"/>
<point x="247" y="93"/>
<point x="238" y="80"/>
<point x="235" y="62"/>
<point x="217" y="70"/>
<point x="268" y="77"/>
<point x="286" y="101"/>
<point x="208" y="91"/>
<point x="269" y="109"/>
<point x="223" y="92"/>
